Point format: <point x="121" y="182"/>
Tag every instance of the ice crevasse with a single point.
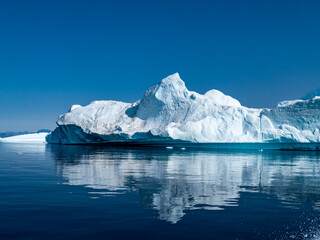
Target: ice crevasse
<point x="170" y="112"/>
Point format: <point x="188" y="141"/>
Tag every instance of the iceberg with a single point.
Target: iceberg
<point x="26" y="138"/>
<point x="170" y="113"/>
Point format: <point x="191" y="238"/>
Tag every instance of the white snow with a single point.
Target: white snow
<point x="222" y="99"/>
<point x="73" y="107"/>
<point x="291" y="102"/>
<point x="170" y="111"/>
<point x="26" y="138"/>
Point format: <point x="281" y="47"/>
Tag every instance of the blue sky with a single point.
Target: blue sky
<point x="57" y="53"/>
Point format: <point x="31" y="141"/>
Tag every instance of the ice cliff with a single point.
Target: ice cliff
<point x="170" y="112"/>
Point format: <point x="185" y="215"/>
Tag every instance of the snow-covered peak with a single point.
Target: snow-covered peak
<point x="170" y="89"/>
<point x="172" y="79"/>
<point x="172" y="84"/>
<point x="222" y="99"/>
<point x="169" y="92"/>
<point x="73" y="107"/>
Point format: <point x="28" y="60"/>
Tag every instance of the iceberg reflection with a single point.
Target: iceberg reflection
<point x="175" y="181"/>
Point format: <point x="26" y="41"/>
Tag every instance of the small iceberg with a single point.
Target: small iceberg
<point x="26" y="138"/>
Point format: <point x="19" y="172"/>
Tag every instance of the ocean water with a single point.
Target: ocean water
<point x="87" y="192"/>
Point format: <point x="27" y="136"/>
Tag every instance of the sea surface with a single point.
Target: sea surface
<point x="87" y="192"/>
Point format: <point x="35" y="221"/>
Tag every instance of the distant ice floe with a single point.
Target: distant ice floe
<point x="26" y="138"/>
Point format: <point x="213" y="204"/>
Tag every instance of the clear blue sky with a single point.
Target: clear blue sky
<point x="57" y="53"/>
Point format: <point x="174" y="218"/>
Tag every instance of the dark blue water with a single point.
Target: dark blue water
<point x="85" y="192"/>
